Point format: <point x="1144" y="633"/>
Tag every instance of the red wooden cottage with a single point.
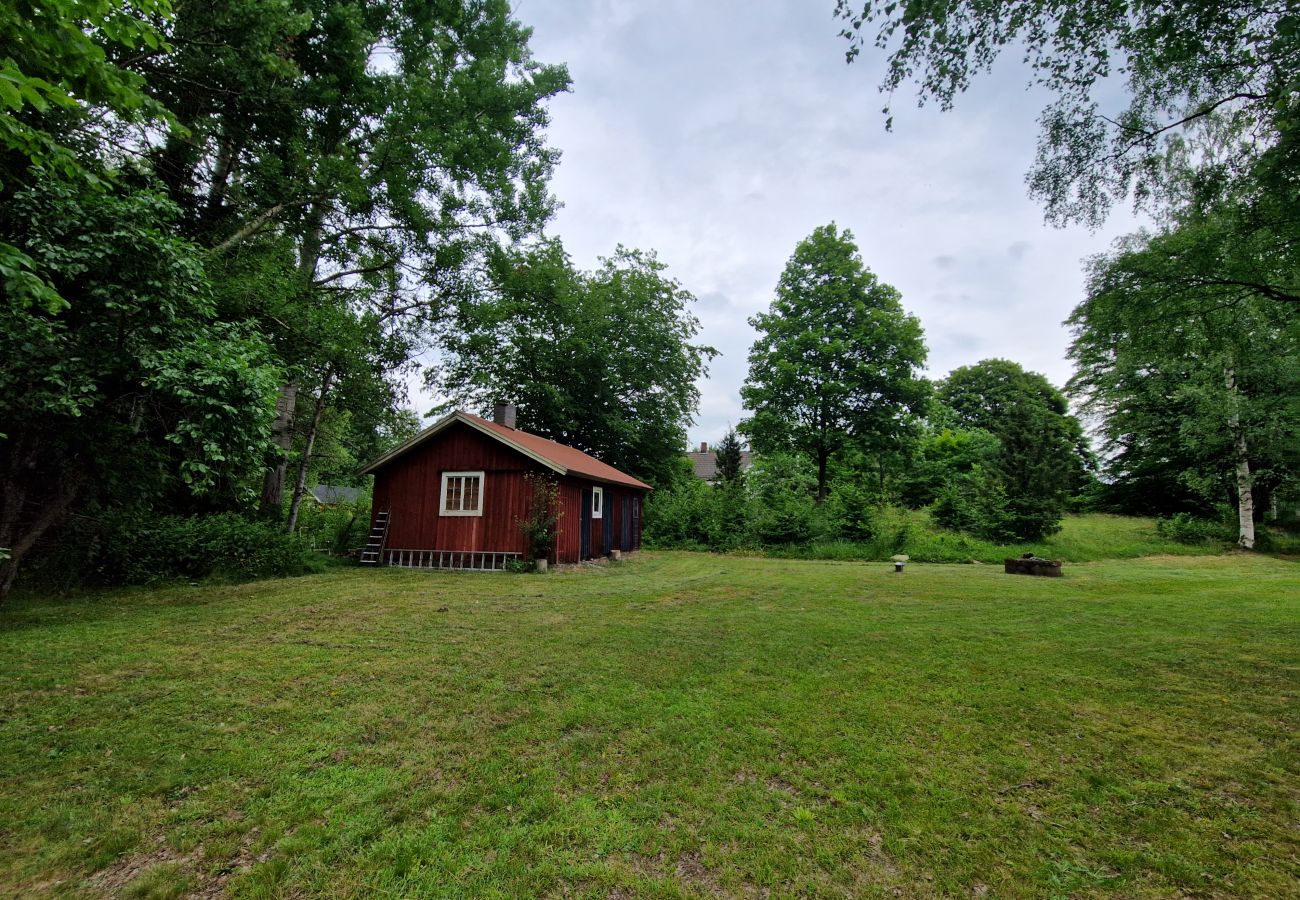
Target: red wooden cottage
<point x="453" y="497"/>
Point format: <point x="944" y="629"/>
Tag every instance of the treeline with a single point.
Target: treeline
<point x="226" y="230"/>
<point x="231" y="233"/>
<point x="1193" y="393"/>
<point x="1187" y="347"/>
<point x="845" y="427"/>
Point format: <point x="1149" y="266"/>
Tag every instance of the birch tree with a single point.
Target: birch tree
<point x="1195" y="381"/>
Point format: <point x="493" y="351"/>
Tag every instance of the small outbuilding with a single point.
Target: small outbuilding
<point x="454" y="496"/>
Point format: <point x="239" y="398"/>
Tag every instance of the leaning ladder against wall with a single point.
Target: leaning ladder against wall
<point x="375" y="543"/>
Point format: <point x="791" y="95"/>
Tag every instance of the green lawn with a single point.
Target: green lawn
<point x="675" y="725"/>
<point x="1085" y="537"/>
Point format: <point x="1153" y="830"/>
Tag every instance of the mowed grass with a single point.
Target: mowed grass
<point x="674" y="725"/>
<point x="1085" y="537"/>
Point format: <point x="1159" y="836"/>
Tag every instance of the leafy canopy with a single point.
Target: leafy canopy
<point x="604" y="361"/>
<point x="836" y="361"/>
<point x="1042" y="456"/>
<point x="1154" y="343"/>
<point x="1180" y="63"/>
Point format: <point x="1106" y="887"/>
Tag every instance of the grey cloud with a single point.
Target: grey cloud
<point x="721" y="134"/>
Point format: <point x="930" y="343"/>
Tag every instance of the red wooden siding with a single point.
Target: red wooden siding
<point x="568" y="545"/>
<point x="410" y="487"/>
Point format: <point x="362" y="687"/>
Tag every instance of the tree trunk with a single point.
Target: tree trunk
<point x="282" y="434"/>
<point x="1245" y="492"/>
<point x="227" y="153"/>
<point x="822" y="457"/>
<point x="21" y="539"/>
<point x="300" y="485"/>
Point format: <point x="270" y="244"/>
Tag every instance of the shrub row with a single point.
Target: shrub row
<point x="139" y="549"/>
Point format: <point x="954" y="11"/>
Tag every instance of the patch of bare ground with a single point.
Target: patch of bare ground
<point x="207" y="882"/>
<point x="111" y="880"/>
<point x="688" y="869"/>
<point x="214" y="884"/>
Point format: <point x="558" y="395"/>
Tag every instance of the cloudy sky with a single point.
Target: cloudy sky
<point x="722" y="133"/>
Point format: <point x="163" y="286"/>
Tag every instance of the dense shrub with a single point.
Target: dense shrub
<point x="974" y="503"/>
<point x="685" y="517"/>
<point x="337" y="529"/>
<point x="1188" y="529"/>
<point x="140" y="550"/>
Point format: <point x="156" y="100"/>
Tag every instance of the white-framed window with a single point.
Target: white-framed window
<point x="597" y="503"/>
<point x="462" y="494"/>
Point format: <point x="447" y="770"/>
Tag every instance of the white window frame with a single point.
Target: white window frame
<point x="597" y="503"/>
<point x="442" y="500"/>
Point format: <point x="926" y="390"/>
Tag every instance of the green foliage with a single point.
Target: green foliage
<point x="783" y="488"/>
<point x="836" y="361"/>
<point x="602" y="361"/>
<point x="60" y="70"/>
<point x="1153" y="345"/>
<point x="728" y="455"/>
<point x="945" y="454"/>
<point x="975" y="502"/>
<point x="139" y="547"/>
<point x="541" y="527"/>
<point x="133" y="393"/>
<point x="339" y="528"/>
<point x="689" y="515"/>
<point x="1188" y="529"/>
<point x="1042" y="457"/>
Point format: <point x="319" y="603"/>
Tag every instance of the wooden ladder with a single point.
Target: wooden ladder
<point x="375" y="543"/>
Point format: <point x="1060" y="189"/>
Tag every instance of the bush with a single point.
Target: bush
<point x="338" y="529"/>
<point x="1188" y="529"/>
<point x="851" y="509"/>
<point x="541" y="527"/>
<point x="686" y="517"/>
<point x="138" y="550"/>
<point x="974" y="503"/>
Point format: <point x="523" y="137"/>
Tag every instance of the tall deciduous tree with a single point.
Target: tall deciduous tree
<point x="837" y="359"/>
<point x="372" y="152"/>
<point x="1194" y="381"/>
<point x="604" y="361"/>
<point x="1042" y="456"/>
<point x="132" y="393"/>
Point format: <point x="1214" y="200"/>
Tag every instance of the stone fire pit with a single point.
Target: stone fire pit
<point x="1033" y="565"/>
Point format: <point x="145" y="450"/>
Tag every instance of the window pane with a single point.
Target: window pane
<point x="471" y="493"/>
<point x="453" y="494"/>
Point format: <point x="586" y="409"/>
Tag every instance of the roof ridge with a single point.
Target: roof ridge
<point x="551" y="454"/>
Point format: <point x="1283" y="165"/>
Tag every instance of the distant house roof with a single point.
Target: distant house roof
<point x="335" y="493"/>
<point x="556" y="457"/>
<point x="705" y="461"/>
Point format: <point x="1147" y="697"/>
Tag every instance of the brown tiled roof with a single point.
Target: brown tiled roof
<point x="706" y="463"/>
<point x="558" y="457"/>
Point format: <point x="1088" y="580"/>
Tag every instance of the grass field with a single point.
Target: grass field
<point x="674" y="725"/>
<point x="1085" y="537"/>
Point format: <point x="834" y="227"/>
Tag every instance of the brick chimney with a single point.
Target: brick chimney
<point x="704" y="447"/>
<point x="504" y="413"/>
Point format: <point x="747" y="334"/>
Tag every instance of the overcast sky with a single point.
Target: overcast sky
<point x="720" y="134"/>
